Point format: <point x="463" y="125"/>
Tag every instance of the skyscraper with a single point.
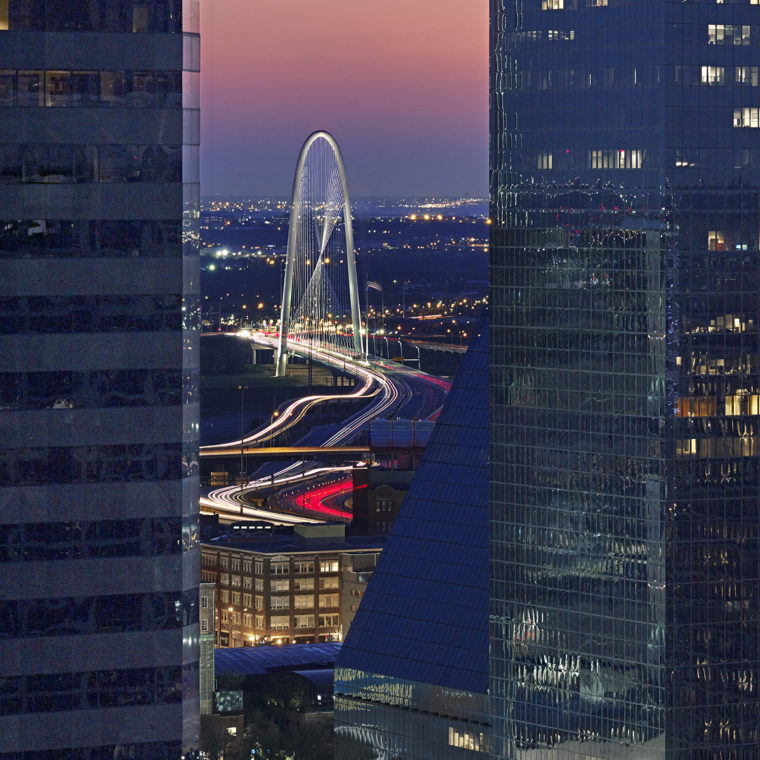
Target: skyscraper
<point x="98" y="375"/>
<point x="624" y="380"/>
<point x="411" y="678"/>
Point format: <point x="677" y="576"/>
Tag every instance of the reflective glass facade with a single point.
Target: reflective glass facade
<point x="624" y="616"/>
<point x="98" y="379"/>
<point x="411" y="678"/>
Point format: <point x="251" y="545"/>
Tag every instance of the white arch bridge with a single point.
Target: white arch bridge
<point x="321" y="319"/>
<point x="320" y="298"/>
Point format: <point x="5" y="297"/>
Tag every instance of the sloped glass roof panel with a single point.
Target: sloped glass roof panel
<point x="424" y="615"/>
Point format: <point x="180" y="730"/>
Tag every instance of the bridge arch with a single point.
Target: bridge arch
<point x="312" y="308"/>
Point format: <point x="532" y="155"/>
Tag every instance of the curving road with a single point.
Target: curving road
<point x="390" y="389"/>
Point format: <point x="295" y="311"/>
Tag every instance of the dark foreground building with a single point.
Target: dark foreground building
<point x="411" y="678"/>
<point x="625" y="609"/>
<point x="98" y="358"/>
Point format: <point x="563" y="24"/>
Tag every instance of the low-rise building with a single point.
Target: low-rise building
<point x="284" y="584"/>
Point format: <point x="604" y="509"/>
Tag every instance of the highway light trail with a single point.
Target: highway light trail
<point x="387" y="387"/>
<point x="316" y="499"/>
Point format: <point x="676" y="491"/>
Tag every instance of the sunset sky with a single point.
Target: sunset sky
<point x="401" y="84"/>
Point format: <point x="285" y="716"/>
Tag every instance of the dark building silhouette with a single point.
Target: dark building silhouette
<point x="98" y="377"/>
<point x="412" y="675"/>
<point x="624" y="380"/>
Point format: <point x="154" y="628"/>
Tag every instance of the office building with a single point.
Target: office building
<point x="98" y="378"/>
<point x="624" y="348"/>
<point x="288" y="584"/>
<point x="412" y="675"/>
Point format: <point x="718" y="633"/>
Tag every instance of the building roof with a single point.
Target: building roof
<point x="288" y="541"/>
<point x="319" y="679"/>
<point x="424" y="615"/>
<point x="263" y="660"/>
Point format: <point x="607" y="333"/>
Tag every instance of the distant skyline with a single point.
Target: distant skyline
<point x="402" y="85"/>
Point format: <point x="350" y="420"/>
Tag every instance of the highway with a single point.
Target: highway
<point x="390" y="389"/>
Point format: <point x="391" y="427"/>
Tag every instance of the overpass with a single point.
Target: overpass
<point x="284" y="452"/>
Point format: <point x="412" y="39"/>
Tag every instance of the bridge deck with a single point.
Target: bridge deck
<point x="280" y="452"/>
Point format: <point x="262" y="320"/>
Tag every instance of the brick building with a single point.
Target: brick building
<point x="284" y="584"/>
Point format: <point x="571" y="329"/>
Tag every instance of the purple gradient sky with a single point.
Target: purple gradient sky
<point x="401" y="84"/>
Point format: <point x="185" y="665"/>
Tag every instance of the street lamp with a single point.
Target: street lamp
<point x="229" y="626"/>
<point x="242" y="389"/>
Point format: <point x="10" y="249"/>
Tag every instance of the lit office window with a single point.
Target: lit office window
<point x="716" y="240"/>
<point x="747" y="117"/>
<point x="615" y="159"/>
<point x="713" y="75"/>
<point x="304" y="621"/>
<point x="544" y="161"/>
<point x="466" y="740"/>
<point x="728" y="34"/>
<point x="746" y="75"/>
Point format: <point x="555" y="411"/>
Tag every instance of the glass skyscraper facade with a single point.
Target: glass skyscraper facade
<point x="625" y="618"/>
<point x="99" y="318"/>
<point x="412" y="675"/>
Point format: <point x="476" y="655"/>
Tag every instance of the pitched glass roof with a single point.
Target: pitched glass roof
<point x="258" y="661"/>
<point x="424" y="615"/>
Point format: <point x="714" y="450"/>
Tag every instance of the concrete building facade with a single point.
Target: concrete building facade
<point x="98" y="379"/>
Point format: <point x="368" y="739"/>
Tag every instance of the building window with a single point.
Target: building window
<point x="258" y="568"/>
<point x="235" y="580"/>
<point x="329" y="621"/>
<point x="304" y="621"/>
<point x="247" y="565"/>
<point x="466" y="740"/>
<point x="224" y="562"/>
<point x="247" y="581"/>
<point x="326" y="584"/>
<point x="225" y="596"/>
<point x="236" y="597"/>
<point x="279" y="622"/>
<point x="258" y="602"/>
<point x="279" y="568"/>
<point x="259" y="621"/>
<point x="204" y="626"/>
<point x="224" y="579"/>
<point x="747" y="117"/>
<point x="552" y="5"/>
<point x="544" y="161"/>
<point x="329" y="600"/>
<point x="235" y="564"/>
<point x="615" y="159"/>
<point x="279" y="602"/>
<point x="279" y="585"/>
<point x="746" y="75"/>
<point x="247" y="600"/>
<point x="303" y="584"/>
<point x="713" y="75"/>
<point x="258" y="584"/>
<point x="303" y="568"/>
<point x="204" y="601"/>
<point x="248" y="620"/>
<point x="716" y="240"/>
<point x="328" y="566"/>
<point x="728" y="34"/>
<point x="304" y="601"/>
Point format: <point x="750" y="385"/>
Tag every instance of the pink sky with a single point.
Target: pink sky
<point x="402" y="84"/>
